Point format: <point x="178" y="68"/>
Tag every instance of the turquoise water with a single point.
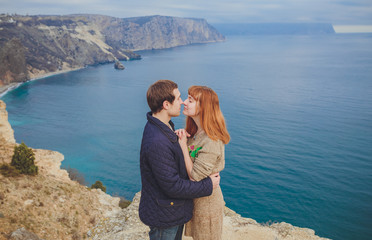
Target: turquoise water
<point x="298" y="109"/>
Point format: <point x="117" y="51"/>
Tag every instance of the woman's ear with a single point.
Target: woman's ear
<point x="197" y="108"/>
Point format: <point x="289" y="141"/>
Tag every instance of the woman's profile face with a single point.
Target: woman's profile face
<point x="190" y="108"/>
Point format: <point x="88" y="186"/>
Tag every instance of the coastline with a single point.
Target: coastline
<point x="9" y="87"/>
<point x="6" y="88"/>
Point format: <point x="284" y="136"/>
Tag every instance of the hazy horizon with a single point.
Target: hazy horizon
<point x="336" y="12"/>
<point x="339" y="28"/>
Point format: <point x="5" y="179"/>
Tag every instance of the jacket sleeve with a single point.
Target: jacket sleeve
<point x="165" y="170"/>
<point x="209" y="156"/>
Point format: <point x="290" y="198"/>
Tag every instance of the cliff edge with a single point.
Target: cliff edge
<point x="50" y="204"/>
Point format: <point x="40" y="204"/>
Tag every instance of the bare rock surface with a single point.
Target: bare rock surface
<point x="127" y="225"/>
<point x="7" y="133"/>
<point x="7" y="141"/>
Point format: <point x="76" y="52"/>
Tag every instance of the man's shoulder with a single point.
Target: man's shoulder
<point x="153" y="134"/>
<point x="154" y="139"/>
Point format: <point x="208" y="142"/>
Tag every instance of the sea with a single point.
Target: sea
<point x="298" y="109"/>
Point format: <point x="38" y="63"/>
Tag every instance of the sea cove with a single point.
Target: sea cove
<point x="298" y="109"/>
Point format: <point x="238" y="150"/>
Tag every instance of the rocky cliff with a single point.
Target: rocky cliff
<point x="49" y="205"/>
<point x="32" y="46"/>
<point x="52" y="206"/>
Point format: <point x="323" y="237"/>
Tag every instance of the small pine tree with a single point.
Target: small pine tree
<point x="24" y="160"/>
<point x="98" y="184"/>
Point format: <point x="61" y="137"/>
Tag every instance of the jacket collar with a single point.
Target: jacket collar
<point x="163" y="127"/>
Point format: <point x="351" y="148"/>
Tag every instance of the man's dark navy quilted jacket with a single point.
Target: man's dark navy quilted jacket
<point x="167" y="192"/>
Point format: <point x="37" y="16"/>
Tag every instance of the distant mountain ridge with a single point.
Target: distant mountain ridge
<point x="33" y="46"/>
<point x="275" y="28"/>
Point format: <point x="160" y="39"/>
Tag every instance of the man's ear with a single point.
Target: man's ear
<point x="166" y="105"/>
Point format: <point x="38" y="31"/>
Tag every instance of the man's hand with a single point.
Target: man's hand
<point x="215" y="179"/>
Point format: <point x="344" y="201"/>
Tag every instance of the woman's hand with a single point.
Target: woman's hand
<point x="182" y="137"/>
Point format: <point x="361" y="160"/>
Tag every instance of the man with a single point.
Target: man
<point x="167" y="193"/>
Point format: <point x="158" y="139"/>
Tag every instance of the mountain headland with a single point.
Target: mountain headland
<point x="52" y="206"/>
<point x="35" y="46"/>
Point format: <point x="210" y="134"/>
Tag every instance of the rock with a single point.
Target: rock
<point x="123" y="225"/>
<point x="7" y="141"/>
<point x="119" y="66"/>
<point x="5" y="128"/>
<point x="127" y="225"/>
<point x="23" y="234"/>
<point x="28" y="202"/>
<point x="49" y="163"/>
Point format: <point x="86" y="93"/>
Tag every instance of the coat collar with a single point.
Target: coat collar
<point x="163" y="127"/>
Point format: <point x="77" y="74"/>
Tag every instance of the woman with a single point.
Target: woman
<point x="204" y="153"/>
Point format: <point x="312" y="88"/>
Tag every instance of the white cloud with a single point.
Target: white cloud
<point x="339" y="12"/>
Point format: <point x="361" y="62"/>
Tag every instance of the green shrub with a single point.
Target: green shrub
<point x="75" y="175"/>
<point x="124" y="203"/>
<point x="24" y="160"/>
<point x="98" y="184"/>
<point x="8" y="171"/>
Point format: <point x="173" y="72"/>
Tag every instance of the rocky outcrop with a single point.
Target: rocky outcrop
<point x="119" y="66"/>
<point x="32" y="46"/>
<point x="23" y="234"/>
<point x="7" y="141"/>
<point x="7" y="133"/>
<point x="127" y="225"/>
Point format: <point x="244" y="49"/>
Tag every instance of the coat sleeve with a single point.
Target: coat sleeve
<point x="208" y="158"/>
<point x="165" y="170"/>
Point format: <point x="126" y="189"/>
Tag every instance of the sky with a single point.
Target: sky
<point x="337" y="12"/>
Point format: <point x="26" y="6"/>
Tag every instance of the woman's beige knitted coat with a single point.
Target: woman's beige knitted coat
<point x="206" y="222"/>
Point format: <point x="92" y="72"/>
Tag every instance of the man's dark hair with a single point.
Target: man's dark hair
<point x="160" y="91"/>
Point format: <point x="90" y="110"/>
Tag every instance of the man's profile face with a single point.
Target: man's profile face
<point x="175" y="107"/>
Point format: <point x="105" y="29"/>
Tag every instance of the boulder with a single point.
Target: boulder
<point x="119" y="66"/>
<point x="23" y="234"/>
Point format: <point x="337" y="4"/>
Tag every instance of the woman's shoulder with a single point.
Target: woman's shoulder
<point x="210" y="144"/>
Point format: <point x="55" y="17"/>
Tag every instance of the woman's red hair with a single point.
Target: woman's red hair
<point x="211" y="118"/>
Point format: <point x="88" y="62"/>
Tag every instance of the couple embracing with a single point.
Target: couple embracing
<point x="180" y="169"/>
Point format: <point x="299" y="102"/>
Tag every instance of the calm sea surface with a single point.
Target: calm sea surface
<point x="298" y="108"/>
